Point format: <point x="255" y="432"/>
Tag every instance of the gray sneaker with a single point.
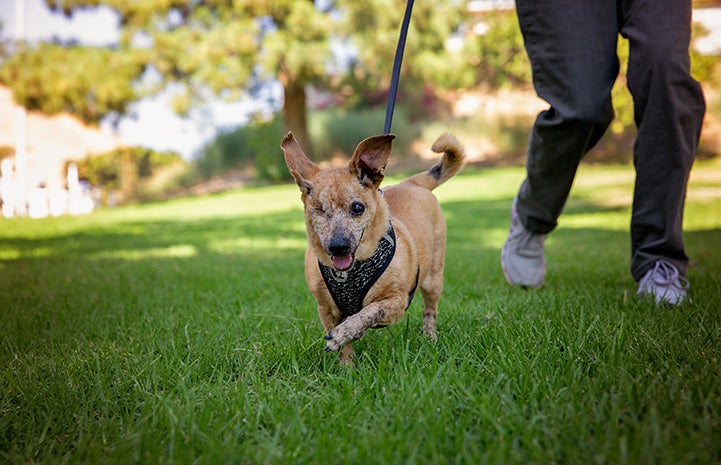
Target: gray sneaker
<point x="522" y="255"/>
<point x="664" y="283"/>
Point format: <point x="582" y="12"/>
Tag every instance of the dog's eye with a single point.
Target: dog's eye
<point x="357" y="208"/>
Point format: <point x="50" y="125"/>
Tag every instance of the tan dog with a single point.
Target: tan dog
<point x="369" y="249"/>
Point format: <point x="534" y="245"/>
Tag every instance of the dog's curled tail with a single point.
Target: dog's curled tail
<point x="452" y="162"/>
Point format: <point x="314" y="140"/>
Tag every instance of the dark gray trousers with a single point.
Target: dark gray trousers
<point x="572" y="48"/>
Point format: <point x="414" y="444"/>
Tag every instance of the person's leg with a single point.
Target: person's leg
<point x="572" y="49"/>
<point x="668" y="109"/>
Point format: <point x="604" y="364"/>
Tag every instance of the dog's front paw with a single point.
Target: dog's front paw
<point x="331" y="345"/>
<point x="337" y="338"/>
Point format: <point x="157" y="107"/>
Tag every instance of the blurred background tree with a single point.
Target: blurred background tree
<point x="203" y="50"/>
<point x="87" y="82"/>
<point x="372" y="27"/>
<point x="149" y="171"/>
<point x="340" y="50"/>
<point x="494" y="53"/>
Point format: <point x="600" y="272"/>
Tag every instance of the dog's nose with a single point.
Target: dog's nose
<point x="339" y="246"/>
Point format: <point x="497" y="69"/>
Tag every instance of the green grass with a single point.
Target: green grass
<point x="183" y="332"/>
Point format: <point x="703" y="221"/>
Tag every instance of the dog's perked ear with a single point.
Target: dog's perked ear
<point x="300" y="166"/>
<point x="370" y="158"/>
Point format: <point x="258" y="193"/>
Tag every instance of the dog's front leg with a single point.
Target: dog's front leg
<point x="330" y="320"/>
<point x="386" y="311"/>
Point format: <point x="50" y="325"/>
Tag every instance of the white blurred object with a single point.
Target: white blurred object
<point x="7" y="188"/>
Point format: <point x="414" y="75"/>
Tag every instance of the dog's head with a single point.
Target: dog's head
<point x="344" y="209"/>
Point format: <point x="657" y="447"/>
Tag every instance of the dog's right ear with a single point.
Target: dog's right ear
<point x="300" y="166"/>
<point x="370" y="158"/>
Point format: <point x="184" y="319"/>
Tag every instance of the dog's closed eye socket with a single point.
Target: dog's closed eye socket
<point x="357" y="208"/>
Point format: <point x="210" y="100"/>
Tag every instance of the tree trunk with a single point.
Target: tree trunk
<point x="128" y="176"/>
<point x="294" y="111"/>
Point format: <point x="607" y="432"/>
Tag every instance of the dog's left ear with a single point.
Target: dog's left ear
<point x="370" y="158"/>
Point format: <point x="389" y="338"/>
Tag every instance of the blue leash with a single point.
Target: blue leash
<point x="395" y="77"/>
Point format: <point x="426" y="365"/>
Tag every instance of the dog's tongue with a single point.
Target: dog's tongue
<point x="343" y="263"/>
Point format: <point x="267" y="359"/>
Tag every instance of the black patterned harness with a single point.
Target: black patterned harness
<point x="349" y="287"/>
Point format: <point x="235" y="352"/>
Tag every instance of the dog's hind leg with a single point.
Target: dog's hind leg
<point x="431" y="295"/>
<point x="431" y="289"/>
<point x="346" y="356"/>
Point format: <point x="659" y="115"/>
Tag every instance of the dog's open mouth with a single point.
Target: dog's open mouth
<point x="342" y="263"/>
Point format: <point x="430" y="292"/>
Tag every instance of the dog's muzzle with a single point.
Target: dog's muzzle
<point x="339" y="249"/>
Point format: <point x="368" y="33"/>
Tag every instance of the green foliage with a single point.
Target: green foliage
<point x="298" y="50"/>
<point x="223" y="48"/>
<point x="106" y="169"/>
<point x="508" y="134"/>
<point x="255" y="145"/>
<point x="264" y="144"/>
<point x="183" y="332"/>
<point x="337" y="132"/>
<point x="87" y="82"/>
<point x="703" y="67"/>
<point x="497" y="57"/>
<point x="203" y="44"/>
<point x="333" y="131"/>
<point x="373" y="27"/>
<point x="621" y="96"/>
<point x="226" y="151"/>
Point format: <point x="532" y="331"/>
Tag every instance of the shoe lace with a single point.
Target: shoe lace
<point x="666" y="275"/>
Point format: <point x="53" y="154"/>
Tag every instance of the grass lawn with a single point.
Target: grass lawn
<point x="183" y="332"/>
